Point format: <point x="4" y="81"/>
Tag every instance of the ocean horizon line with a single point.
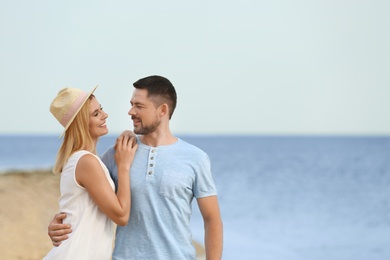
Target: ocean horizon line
<point x="270" y="135"/>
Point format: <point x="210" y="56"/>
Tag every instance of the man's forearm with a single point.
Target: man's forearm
<point x="214" y="239"/>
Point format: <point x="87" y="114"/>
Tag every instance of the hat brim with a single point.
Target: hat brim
<point x="78" y="110"/>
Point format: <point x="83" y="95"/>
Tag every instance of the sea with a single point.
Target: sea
<point x="281" y="197"/>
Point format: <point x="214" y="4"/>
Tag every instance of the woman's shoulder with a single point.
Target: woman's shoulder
<point x="77" y="158"/>
<point x="80" y="153"/>
<point x="84" y="155"/>
<point x="88" y="161"/>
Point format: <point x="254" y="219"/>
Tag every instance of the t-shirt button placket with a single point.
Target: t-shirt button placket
<point x="151" y="164"/>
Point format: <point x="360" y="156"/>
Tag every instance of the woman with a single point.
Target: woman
<point x="87" y="191"/>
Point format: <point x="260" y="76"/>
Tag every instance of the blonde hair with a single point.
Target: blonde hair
<point x="77" y="137"/>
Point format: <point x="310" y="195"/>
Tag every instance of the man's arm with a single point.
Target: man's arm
<point x="57" y="231"/>
<point x="213" y="226"/>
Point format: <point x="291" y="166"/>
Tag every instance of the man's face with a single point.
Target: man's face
<point x="143" y="113"/>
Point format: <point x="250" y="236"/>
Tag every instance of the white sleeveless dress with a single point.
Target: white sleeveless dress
<point x="92" y="231"/>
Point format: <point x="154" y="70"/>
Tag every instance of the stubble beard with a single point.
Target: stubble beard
<point x="144" y="130"/>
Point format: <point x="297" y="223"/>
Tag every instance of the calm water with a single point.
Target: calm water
<point x="282" y="198"/>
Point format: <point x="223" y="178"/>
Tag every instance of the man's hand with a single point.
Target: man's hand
<point x="57" y="231"/>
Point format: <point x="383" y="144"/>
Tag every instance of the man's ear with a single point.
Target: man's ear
<point x="164" y="109"/>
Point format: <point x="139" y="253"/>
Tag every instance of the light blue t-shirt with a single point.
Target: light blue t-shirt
<point x="164" y="180"/>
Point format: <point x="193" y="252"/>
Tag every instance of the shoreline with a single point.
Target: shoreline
<point x="29" y="200"/>
<point x="39" y="171"/>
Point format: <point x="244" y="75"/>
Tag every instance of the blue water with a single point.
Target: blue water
<point x="281" y="198"/>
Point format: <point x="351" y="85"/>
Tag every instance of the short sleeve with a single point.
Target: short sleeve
<point x="204" y="185"/>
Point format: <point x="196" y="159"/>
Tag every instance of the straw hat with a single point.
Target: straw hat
<point x="67" y="104"/>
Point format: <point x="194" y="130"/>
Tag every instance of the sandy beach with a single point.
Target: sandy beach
<point x="28" y="202"/>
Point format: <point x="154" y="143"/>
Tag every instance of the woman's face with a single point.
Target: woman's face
<point x="97" y="119"/>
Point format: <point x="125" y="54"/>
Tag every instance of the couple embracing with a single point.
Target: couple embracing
<point x="145" y="183"/>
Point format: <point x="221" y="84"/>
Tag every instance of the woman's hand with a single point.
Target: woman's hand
<point x="129" y="134"/>
<point x="125" y="148"/>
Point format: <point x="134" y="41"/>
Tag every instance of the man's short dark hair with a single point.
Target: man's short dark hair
<point x="160" y="90"/>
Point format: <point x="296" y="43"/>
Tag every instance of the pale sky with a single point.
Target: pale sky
<point x="239" y="67"/>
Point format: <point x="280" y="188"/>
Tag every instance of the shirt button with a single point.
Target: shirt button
<point x="152" y="158"/>
<point x="153" y="151"/>
<point x="151" y="165"/>
<point x="150" y="173"/>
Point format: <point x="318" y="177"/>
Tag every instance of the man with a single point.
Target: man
<point x="166" y="174"/>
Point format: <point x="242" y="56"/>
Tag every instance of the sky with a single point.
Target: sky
<point x="315" y="67"/>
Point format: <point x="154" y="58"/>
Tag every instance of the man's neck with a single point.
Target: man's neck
<point x="158" y="138"/>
